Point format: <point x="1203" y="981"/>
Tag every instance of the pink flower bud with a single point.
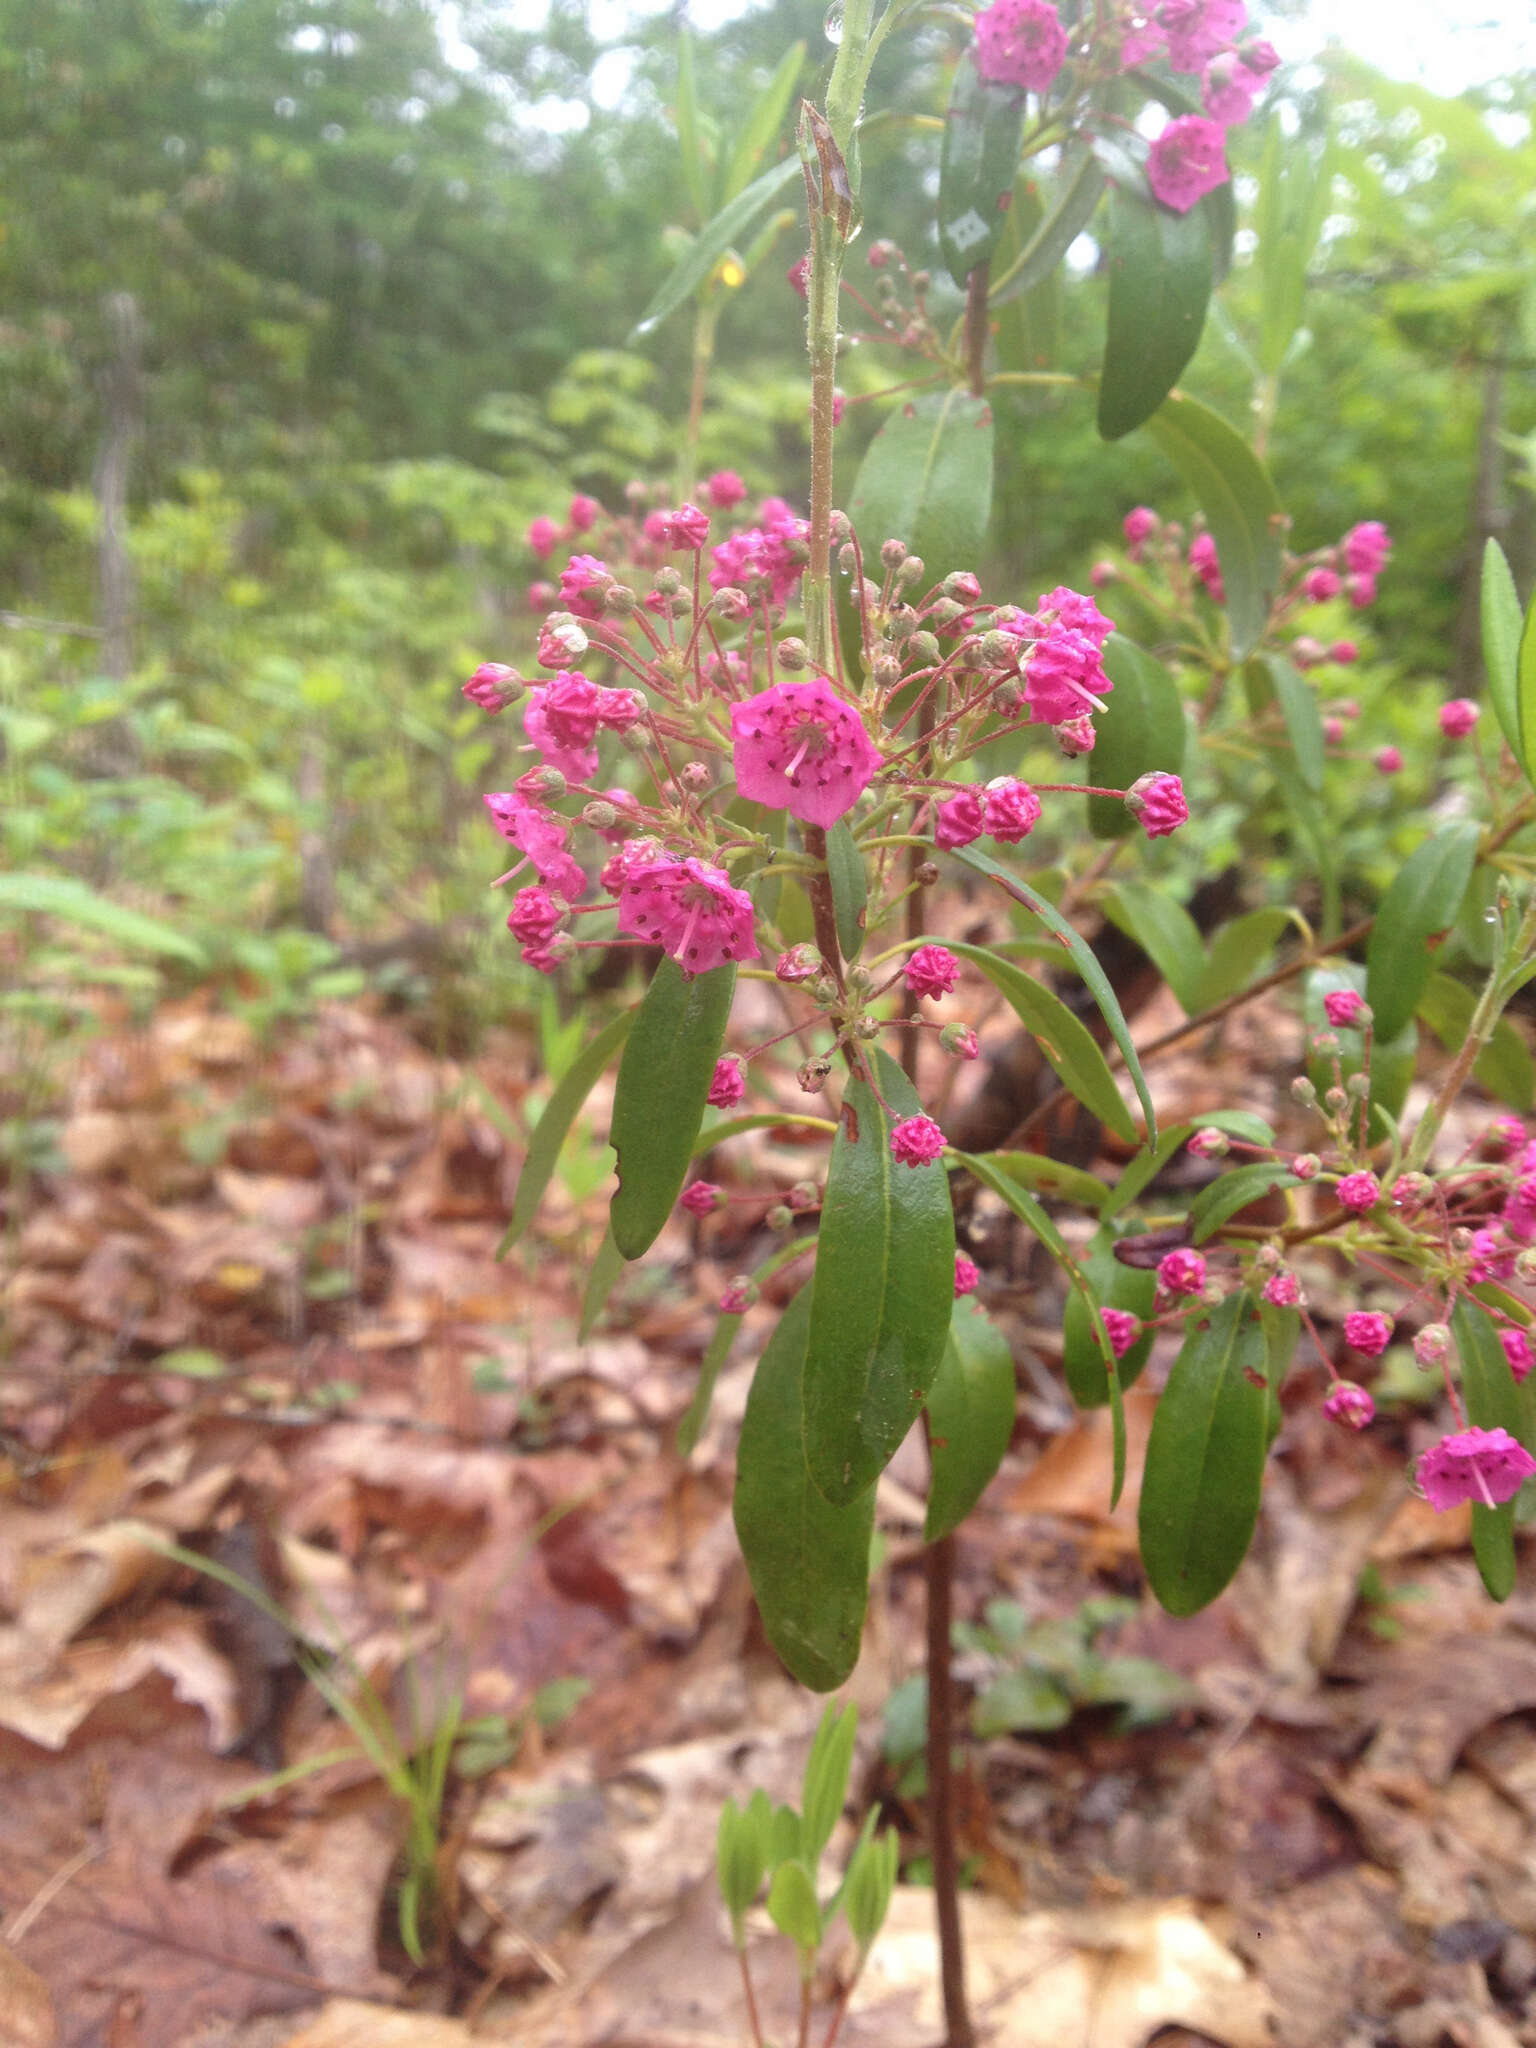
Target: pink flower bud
<point x="1342" y="1006"/>
<point x="1306" y="652"/>
<point x="1076" y="736"/>
<point x="1517" y="1349"/>
<point x="932" y="971"/>
<point x="1283" y="1290"/>
<point x="1181" y="1272"/>
<point x="1458" y="717"/>
<point x="729" y="1084"/>
<point x="1121" y="1328"/>
<point x="1366" y="548"/>
<point x="1138" y="525"/>
<point x="542" y="537"/>
<point x="1344" y="652"/>
<point x="493" y="686"/>
<point x="1011" y="810"/>
<point x="960" y="1042"/>
<point x="583" y="513"/>
<point x="739" y="1296"/>
<point x="1432" y="1345"/>
<point x="687" y="527"/>
<point x="800" y="963"/>
<point x="967" y="1275"/>
<point x="1367" y="1332"/>
<point x="1505" y="1135"/>
<point x="1387" y="760"/>
<point x="535" y="916"/>
<point x="1333" y="731"/>
<point x="962" y="586"/>
<point x="916" y="1141"/>
<point x="799" y="276"/>
<point x="960" y="819"/>
<point x="1157" y="800"/>
<point x="1321" y="584"/>
<point x="1359" y="1192"/>
<point x="1349" y="1405"/>
<point x="724" y="489"/>
<point x="1209" y="1144"/>
<point x="700" y="1198"/>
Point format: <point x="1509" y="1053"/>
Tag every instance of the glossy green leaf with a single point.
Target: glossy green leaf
<point x="1113" y="1285"/>
<point x="850" y="888"/>
<point x="1504" y="1067"/>
<point x="1046" y="1176"/>
<point x="1421" y="902"/>
<point x="1502" y="626"/>
<point x="1066" y="1042"/>
<point x="1160" y="275"/>
<point x="1150" y="1161"/>
<point x="761" y="128"/>
<point x="1205" y="1459"/>
<point x="712" y="241"/>
<point x="979" y="154"/>
<point x="1493" y="1402"/>
<point x="1241" y="508"/>
<point x="807" y="1560"/>
<point x="881" y="1296"/>
<point x="601" y="1281"/>
<point x="73" y="902"/>
<point x="659" y="1097"/>
<point x="1141" y="729"/>
<point x="1082" y="957"/>
<point x="1230" y="1192"/>
<point x="1165" y="931"/>
<point x="970" y="1414"/>
<point x="1303" y="721"/>
<point x="554" y="1126"/>
<point x="1237" y="951"/>
<point x="926" y="479"/>
<point x="1075" y="195"/>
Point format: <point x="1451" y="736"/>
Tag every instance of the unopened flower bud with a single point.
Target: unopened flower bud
<point x="922" y="650"/>
<point x="926" y="873"/>
<point x="1306" y="652"/>
<point x="601" y="816"/>
<point x="1411" y="1189"/>
<point x="841" y="528"/>
<point x="999" y="649"/>
<point x="1267" y="1258"/>
<point x="800" y="963"/>
<point x="493" y="686"/>
<point x="1325" y="1042"/>
<point x="812" y="1076"/>
<point x="1432" y="1344"/>
<point x="847" y="558"/>
<point x="901" y="623"/>
<point x="1302" y="1091"/>
<point x="1358" y="1085"/>
<point x="912" y="570"/>
<point x="824" y="990"/>
<point x="893" y="553"/>
<point x="805" y="1194"/>
<point x="547" y="783"/>
<point x="959" y="1041"/>
<point x="695" y="775"/>
<point x="1335" y="1100"/>
<point x="962" y="586"/>
<point x="792" y="654"/>
<point x="1007" y="700"/>
<point x="739" y="1296"/>
<point x="668" y="582"/>
<point x="1525" y="1265"/>
<point x="1210" y="1144"/>
<point x="868" y="1029"/>
<point x="619" y="598"/>
<point x="887" y="670"/>
<point x="1076" y="736"/>
<point x="1306" y="1166"/>
<point x="733" y="604"/>
<point x="944" y="611"/>
<point x="780" y="1217"/>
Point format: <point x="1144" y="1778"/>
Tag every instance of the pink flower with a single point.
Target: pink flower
<point x="738" y="1297"/>
<point x="1344" y="652"/>
<point x="1517" y="1349"/>
<point x="967" y="1275"/>
<point x="1011" y="810"/>
<point x="1187" y="160"/>
<point x="1157" y="800"/>
<point x="1282" y="1290"/>
<point x="1063" y="675"/>
<point x="1139" y="524"/>
<point x="535" y="917"/>
<point x="583" y="581"/>
<point x="493" y="686"/>
<point x="932" y="971"/>
<point x="1387" y="760"/>
<point x="1457" y="717"/>
<point x="800" y="963"/>
<point x="1206" y="564"/>
<point x="699" y="1198"/>
<point x="1350" y="1405"/>
<point x="1077" y="612"/>
<point x="1493" y="1257"/>
<point x="801" y="748"/>
<point x="1362" y="591"/>
<point x="1020" y="42"/>
<point x="562" y="731"/>
<point x="1121" y="1328"/>
<point x="691" y="911"/>
<point x="1333" y="731"/>
<point x="541" y="836"/>
<point x="1342" y="1006"/>
<point x="542" y="536"/>
<point x="1366" y="548"/>
<point x="960" y="1042"/>
<point x="960" y="819"/>
<point x="916" y="1140"/>
<point x="1518" y="1215"/>
<point x="773" y="553"/>
<point x="1366" y="1332"/>
<point x="724" y="489"/>
<point x="1359" y="1192"/>
<point x="1486" y="1465"/>
<point x="1503" y="1136"/>
<point x="1228" y="89"/>
<point x="583" y="513"/>
<point x="1198" y="29"/>
<point x="728" y="1084"/>
<point x="687" y="527"/>
<point x="561" y="641"/>
<point x="1321" y="584"/>
<point x="1181" y="1272"/>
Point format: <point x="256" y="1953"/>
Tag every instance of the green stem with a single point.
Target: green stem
<point x="1490" y="1007"/>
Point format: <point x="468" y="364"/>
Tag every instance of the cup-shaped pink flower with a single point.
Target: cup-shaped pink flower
<point x="1020" y="42"/>
<point x="802" y="748"/>
<point x="1485" y="1465"/>
<point x="932" y="971"/>
<point x="916" y="1141"/>
<point x="541" y="836"/>
<point x="1187" y="160"/>
<point x="1198" y="29"/>
<point x="691" y="911"/>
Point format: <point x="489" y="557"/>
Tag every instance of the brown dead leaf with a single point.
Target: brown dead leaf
<point x="282" y="1204"/>
<point x="1430" y="1702"/>
<point x="349" y="2023"/>
<point x="27" y="2018"/>
<point x="46" y="1694"/>
<point x="1073" y="1474"/>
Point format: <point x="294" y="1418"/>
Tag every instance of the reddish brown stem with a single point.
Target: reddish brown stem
<point x="958" y="2030"/>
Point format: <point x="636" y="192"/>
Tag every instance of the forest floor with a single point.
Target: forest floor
<point x="260" y="1318"/>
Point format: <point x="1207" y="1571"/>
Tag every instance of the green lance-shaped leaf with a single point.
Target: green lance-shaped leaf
<point x="1237" y="952"/>
<point x="1113" y="1285"/>
<point x="1240" y="504"/>
<point x="1043" y="1175"/>
<point x="1081" y="954"/>
<point x="659" y="1098"/>
<point x="1298" y="709"/>
<point x="1205" y="1459"/>
<point x="1493" y="1402"/>
<point x="926" y="479"/>
<point x="1151" y="1159"/>
<point x="970" y="1414"/>
<point x="825" y="1786"/>
<point x="1526" y="685"/>
<point x="712" y="241"/>
<point x="741" y="1858"/>
<point x="1504" y="1066"/>
<point x="1027" y="330"/>
<point x="880" y="1301"/>
<point x="1165" y="931"/>
<point x="1230" y="1192"/>
<point x="696" y="166"/>
<point x="63" y="897"/>
<point x="1420" y="904"/>
<point x="1141" y="728"/>
<point x="1066" y="1042"/>
<point x="1294" y="190"/>
<point x="761" y="127"/>
<point x="1161" y="268"/>
<point x="1075" y="194"/>
<point x="808" y="1561"/>
<point x="1501" y="643"/>
<point x="850" y="888"/>
<point x="868" y="1886"/>
<point x="983" y="127"/>
<point x="554" y="1125"/>
<point x="793" y="1910"/>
